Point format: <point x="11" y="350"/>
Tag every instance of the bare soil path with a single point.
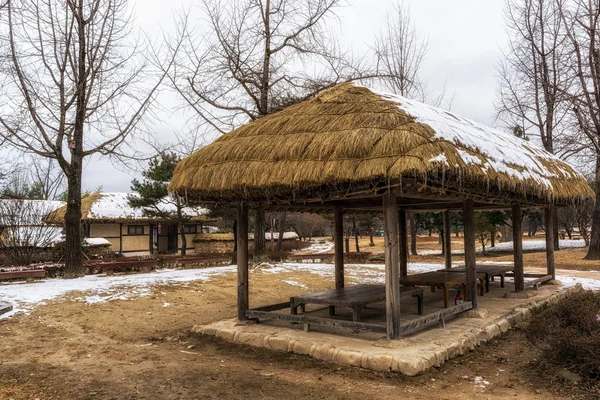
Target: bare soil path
<point x="142" y="349"/>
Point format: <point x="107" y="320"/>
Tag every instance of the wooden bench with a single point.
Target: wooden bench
<point x="26" y="274"/>
<point x="5" y="307"/>
<point x="537" y="280"/>
<point x="490" y="271"/>
<point x="441" y="279"/>
<point x="354" y="297"/>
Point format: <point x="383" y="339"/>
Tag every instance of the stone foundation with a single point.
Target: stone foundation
<point x="409" y="356"/>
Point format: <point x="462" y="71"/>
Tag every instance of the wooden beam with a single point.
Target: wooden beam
<point x="392" y="270"/>
<point x="403" y="242"/>
<point x="242" y="260"/>
<point x="447" y="240"/>
<point x="303" y="318"/>
<point x="518" y="248"/>
<point x="549" y="222"/>
<point x="338" y="237"/>
<point x="121" y="239"/>
<point x="470" y="260"/>
<point x="439" y="316"/>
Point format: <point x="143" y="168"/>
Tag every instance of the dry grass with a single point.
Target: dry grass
<point x="349" y="139"/>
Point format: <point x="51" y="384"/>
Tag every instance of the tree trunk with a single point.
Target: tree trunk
<point x="260" y="242"/>
<point x="555" y="228"/>
<point x="73" y="250"/>
<point x="73" y="256"/>
<point x="594" y="250"/>
<point x="282" y="217"/>
<point x="355" y="234"/>
<point x="371" y="242"/>
<point x="492" y="239"/>
<point x="183" y="239"/>
<point x="413" y="235"/>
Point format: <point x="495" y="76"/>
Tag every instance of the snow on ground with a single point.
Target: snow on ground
<point x="319" y="248"/>
<point x="99" y="288"/>
<point x="528" y="245"/>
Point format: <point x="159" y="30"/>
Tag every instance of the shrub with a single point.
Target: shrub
<point x="568" y="333"/>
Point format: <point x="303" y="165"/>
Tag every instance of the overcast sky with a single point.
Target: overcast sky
<point x="466" y="38"/>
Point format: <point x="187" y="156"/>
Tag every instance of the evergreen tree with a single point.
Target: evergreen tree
<point x="154" y="197"/>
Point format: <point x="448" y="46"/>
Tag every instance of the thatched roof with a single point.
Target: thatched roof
<point x="115" y="208"/>
<point x="229" y="237"/>
<point x="351" y="138"/>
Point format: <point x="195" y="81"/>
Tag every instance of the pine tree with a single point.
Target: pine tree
<point x="154" y="198"/>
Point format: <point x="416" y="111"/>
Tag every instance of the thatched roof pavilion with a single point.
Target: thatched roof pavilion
<point x="355" y="149"/>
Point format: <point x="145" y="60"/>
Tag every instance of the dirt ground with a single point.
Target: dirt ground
<point x="143" y="349"/>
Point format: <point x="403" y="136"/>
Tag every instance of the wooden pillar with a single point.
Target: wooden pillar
<point x="242" y="260"/>
<point x="150" y="234"/>
<point x="121" y="239"/>
<point x="549" y="221"/>
<point x="338" y="237"/>
<point x="518" y="248"/>
<point x="392" y="270"/>
<point x="403" y="242"/>
<point x="470" y="261"/>
<point x="447" y="240"/>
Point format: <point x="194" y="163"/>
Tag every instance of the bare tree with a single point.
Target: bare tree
<point x="581" y="20"/>
<point x="400" y="52"/>
<point x="79" y="85"/>
<point x="47" y="175"/>
<point x="23" y="234"/>
<point x="531" y="96"/>
<point x="258" y="57"/>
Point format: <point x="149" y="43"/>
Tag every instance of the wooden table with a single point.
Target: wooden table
<point x="490" y="270"/>
<point x="354" y="297"/>
<point x="441" y="279"/>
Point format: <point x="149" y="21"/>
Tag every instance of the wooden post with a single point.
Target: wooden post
<point x="470" y="261"/>
<point x="447" y="240"/>
<point x="242" y="260"/>
<point x="518" y="248"/>
<point x="121" y="239"/>
<point x="403" y="243"/>
<point x="549" y="241"/>
<point x="150" y="234"/>
<point x="338" y="237"/>
<point x="392" y="272"/>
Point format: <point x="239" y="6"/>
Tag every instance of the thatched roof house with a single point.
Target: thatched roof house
<point x="114" y="208"/>
<point x="130" y="231"/>
<point x="354" y="139"/>
<point x="356" y="149"/>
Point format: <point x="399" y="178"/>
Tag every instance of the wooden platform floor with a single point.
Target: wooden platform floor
<point x="411" y="354"/>
<point x="375" y="313"/>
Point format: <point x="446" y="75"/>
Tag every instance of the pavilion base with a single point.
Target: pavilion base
<point x="409" y="356"/>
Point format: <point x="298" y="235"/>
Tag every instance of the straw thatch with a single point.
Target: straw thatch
<point x="351" y="138"/>
<point x="114" y="208"/>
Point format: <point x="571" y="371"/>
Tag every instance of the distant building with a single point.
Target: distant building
<point x="130" y="232"/>
<point x="224" y="242"/>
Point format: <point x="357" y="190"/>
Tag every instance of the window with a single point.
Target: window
<point x="190" y="228"/>
<point x="135" y="229"/>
